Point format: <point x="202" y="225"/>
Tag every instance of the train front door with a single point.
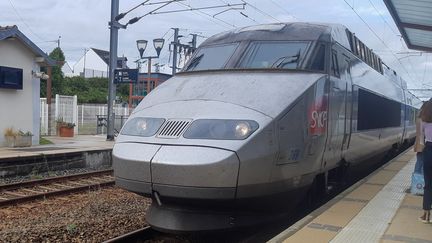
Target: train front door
<point x="346" y="75"/>
<point x="339" y="111"/>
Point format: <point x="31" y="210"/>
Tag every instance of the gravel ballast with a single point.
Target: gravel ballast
<point x="92" y="216"/>
<point x="49" y="174"/>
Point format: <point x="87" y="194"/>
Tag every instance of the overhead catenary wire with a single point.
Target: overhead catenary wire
<point x="409" y="59"/>
<point x="243" y="14"/>
<point x="382" y="17"/>
<point x="394" y="32"/>
<point x="262" y="12"/>
<point x="22" y="20"/>
<point x="283" y="9"/>
<point x="379" y="38"/>
<point x="208" y="15"/>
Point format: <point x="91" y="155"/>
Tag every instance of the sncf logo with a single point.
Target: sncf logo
<point x="318" y="118"/>
<point x="318" y="122"/>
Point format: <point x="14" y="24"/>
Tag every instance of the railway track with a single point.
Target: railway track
<point x="43" y="188"/>
<point x="145" y="233"/>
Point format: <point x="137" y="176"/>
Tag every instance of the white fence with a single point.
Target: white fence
<point x="85" y="116"/>
<point x="43" y="116"/>
<point x="65" y="109"/>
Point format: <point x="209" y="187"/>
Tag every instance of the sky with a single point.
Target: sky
<point x="83" y="24"/>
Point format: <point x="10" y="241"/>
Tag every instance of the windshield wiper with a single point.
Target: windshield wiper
<point x="282" y="61"/>
<point x="194" y="62"/>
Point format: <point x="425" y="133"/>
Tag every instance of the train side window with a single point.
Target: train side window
<point x="376" y="112"/>
<point x="335" y="65"/>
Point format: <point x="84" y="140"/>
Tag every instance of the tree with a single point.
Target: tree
<point x="57" y="74"/>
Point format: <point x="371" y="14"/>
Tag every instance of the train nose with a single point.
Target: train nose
<point x="190" y="172"/>
<point x="195" y="172"/>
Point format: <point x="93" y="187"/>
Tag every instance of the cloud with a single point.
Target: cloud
<point x="84" y="23"/>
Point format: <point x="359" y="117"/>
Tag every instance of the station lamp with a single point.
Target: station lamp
<point x="158" y="44"/>
<point x="141" y="45"/>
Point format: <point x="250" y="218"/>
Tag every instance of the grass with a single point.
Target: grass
<point x="44" y="141"/>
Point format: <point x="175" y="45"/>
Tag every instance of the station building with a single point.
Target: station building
<point x="20" y="63"/>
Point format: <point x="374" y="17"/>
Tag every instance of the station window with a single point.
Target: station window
<point x="376" y="112"/>
<point x="11" y="78"/>
<point x="335" y="65"/>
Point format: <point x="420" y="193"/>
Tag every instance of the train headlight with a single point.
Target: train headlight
<point x="221" y="129"/>
<point x="242" y="129"/>
<point x="141" y="126"/>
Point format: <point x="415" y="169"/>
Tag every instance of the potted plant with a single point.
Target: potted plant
<point x="65" y="129"/>
<point x="18" y="138"/>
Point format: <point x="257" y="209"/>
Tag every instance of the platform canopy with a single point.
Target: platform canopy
<point x="414" y="20"/>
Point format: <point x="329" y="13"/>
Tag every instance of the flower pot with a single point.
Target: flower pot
<point x="66" y="131"/>
<point x="19" y="141"/>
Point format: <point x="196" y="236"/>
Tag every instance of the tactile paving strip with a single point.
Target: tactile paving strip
<point x="372" y="221"/>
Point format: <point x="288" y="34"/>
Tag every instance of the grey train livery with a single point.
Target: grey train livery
<point x="257" y="118"/>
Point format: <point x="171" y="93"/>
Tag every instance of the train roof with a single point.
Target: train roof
<point x="284" y="31"/>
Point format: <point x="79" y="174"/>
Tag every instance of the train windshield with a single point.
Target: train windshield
<point x="274" y="54"/>
<point x="211" y="57"/>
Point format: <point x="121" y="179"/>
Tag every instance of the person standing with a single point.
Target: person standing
<point x="419" y="143"/>
<point x="426" y="126"/>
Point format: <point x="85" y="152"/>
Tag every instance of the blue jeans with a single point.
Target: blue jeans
<point x="427" y="172"/>
<point x="419" y="164"/>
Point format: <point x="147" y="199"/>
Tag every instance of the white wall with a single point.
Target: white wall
<point x="94" y="65"/>
<point x="19" y="108"/>
<point x="67" y="70"/>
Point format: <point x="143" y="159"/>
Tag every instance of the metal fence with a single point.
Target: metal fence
<point x="90" y="119"/>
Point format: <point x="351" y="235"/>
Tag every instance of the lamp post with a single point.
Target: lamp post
<point x="158" y="45"/>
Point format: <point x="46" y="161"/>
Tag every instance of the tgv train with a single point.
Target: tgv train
<point x="258" y="117"/>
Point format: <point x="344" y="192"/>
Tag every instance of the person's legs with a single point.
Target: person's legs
<point x="427" y="173"/>
<point x="427" y="196"/>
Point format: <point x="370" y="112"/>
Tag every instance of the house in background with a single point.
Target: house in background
<point x="67" y="70"/>
<point x="138" y="91"/>
<point x="20" y="63"/>
<point x="94" y="64"/>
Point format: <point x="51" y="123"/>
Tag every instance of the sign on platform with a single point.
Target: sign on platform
<point x="125" y="75"/>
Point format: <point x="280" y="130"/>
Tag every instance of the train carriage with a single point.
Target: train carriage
<point x="258" y="117"/>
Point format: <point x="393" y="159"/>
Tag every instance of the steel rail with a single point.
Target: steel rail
<point x="66" y="189"/>
<point x="144" y="233"/>
<point x="45" y="181"/>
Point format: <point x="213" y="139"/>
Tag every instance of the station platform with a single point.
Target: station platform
<point x="378" y="208"/>
<point x="78" y="143"/>
<point x="65" y="153"/>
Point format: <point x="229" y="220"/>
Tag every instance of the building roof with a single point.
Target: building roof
<point x="104" y="55"/>
<point x="7" y="32"/>
<point x="414" y="20"/>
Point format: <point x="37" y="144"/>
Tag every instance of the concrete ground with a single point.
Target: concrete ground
<point x="60" y="145"/>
